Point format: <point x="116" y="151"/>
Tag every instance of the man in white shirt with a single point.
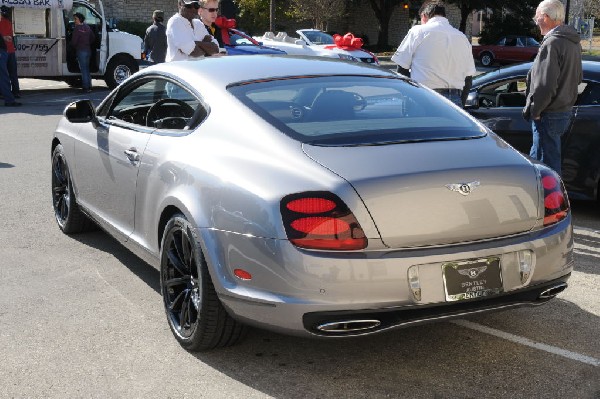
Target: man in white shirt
<point x="187" y="38"/>
<point x="437" y="55"/>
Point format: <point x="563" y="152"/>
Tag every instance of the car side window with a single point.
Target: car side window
<point x="511" y="41"/>
<point x="158" y="103"/>
<point x="589" y="94"/>
<point x="507" y="93"/>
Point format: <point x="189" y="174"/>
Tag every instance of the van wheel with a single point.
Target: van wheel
<point x="119" y="68"/>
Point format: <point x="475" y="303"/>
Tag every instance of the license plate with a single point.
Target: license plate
<point x="469" y="279"/>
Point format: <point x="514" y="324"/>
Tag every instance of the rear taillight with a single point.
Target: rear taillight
<point x="320" y="220"/>
<point x="556" y="202"/>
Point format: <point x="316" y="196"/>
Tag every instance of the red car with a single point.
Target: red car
<point x="509" y="49"/>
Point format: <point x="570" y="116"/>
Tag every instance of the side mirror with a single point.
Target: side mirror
<point x="81" y="111"/>
<point x="472" y="101"/>
<point x="300" y="42"/>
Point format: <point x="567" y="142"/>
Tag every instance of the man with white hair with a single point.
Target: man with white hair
<point x="552" y="83"/>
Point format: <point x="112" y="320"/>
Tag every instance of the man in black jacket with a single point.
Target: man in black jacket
<point x="552" y="83"/>
<point x="155" y="41"/>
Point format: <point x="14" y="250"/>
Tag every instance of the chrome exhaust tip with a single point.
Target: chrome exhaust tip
<point x="348" y="326"/>
<point x="553" y="291"/>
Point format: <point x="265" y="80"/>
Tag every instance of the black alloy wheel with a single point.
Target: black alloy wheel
<point x="69" y="217"/>
<point x="196" y="317"/>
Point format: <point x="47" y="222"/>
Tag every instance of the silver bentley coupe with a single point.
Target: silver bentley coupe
<point x="308" y="196"/>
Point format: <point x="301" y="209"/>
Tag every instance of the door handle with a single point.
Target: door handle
<point x="132" y="155"/>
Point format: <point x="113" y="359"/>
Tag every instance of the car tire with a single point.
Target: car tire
<point x="119" y="68"/>
<point x="486" y="59"/>
<point x="67" y="213"/>
<point x="194" y="312"/>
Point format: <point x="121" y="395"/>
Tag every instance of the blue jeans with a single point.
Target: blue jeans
<point x="5" y="78"/>
<point x="83" y="57"/>
<point x="12" y="73"/>
<point x="547" y="132"/>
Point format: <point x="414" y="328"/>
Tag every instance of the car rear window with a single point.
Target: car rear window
<point x="355" y="110"/>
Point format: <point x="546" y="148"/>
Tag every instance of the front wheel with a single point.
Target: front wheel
<point x="69" y="217"/>
<point x="194" y="312"/>
<point x="119" y="68"/>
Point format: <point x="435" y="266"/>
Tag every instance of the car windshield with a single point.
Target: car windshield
<point x="318" y="37"/>
<point x="530" y="41"/>
<point x="355" y="110"/>
<point x="237" y="39"/>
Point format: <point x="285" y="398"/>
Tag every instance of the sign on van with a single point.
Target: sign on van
<point x="62" y="4"/>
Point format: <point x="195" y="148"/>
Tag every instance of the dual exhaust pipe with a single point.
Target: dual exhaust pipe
<point x="351" y="327"/>
<point x="553" y="291"/>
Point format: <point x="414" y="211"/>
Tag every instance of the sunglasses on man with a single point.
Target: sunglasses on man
<point x="210" y="9"/>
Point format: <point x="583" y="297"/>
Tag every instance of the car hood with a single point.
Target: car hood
<point x="411" y="190"/>
<point x="249" y="50"/>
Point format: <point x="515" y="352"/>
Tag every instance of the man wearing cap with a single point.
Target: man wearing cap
<point x="186" y="39"/>
<point x="155" y="41"/>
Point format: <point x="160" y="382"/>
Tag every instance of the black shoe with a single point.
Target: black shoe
<point x="13" y="104"/>
<point x="16" y="95"/>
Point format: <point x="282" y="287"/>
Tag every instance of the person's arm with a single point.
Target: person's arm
<point x="403" y="71"/>
<point x="208" y="46"/>
<point x="544" y="73"/>
<point x="404" y="54"/>
<point x="466" y="89"/>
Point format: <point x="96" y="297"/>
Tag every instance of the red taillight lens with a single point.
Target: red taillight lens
<point x="311" y="205"/>
<point x="556" y="202"/>
<point x="320" y="220"/>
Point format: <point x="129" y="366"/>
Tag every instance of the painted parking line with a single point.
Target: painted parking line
<point x="527" y="342"/>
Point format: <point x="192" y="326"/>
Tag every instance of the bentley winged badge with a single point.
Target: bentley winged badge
<point x="463" y="188"/>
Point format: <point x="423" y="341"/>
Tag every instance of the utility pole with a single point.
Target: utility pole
<point x="567" y="7"/>
<point x="272" y="16"/>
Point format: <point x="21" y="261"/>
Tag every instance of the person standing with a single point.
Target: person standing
<point x="5" y="90"/>
<point x="82" y="41"/>
<point x="437" y="55"/>
<point x="552" y="83"/>
<point x="208" y="12"/>
<point x="6" y="31"/>
<point x="155" y="41"/>
<point x="186" y="39"/>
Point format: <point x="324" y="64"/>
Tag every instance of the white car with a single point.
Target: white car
<point x="313" y="42"/>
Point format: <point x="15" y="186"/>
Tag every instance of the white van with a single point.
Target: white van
<point x="43" y="30"/>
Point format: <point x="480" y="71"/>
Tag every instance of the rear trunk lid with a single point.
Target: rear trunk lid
<point x="436" y="193"/>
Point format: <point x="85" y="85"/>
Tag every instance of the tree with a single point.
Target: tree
<point x="320" y="12"/>
<point x="383" y="12"/>
<point x="256" y="16"/>
<point x="592" y="8"/>
<point x="466" y="7"/>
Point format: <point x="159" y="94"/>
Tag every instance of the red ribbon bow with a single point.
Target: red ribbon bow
<point x="348" y="41"/>
<point x="225" y="24"/>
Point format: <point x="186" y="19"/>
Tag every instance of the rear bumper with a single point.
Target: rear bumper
<point x="294" y="291"/>
<point x="412" y="315"/>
